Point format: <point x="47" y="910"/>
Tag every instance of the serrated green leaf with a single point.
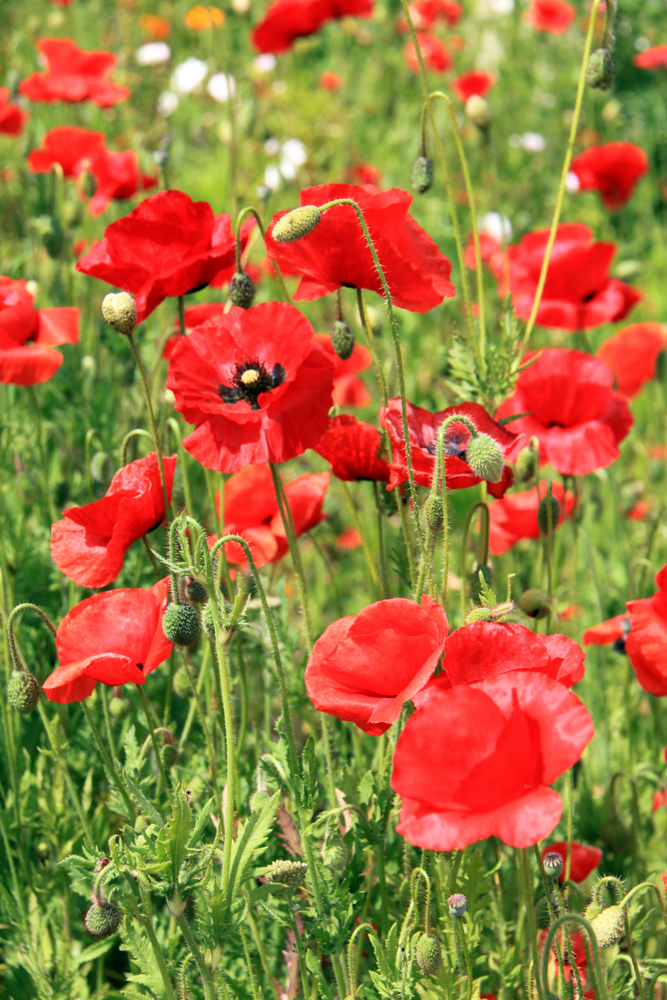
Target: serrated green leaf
<point x="146" y="807"/>
<point x="177" y="832"/>
<point x="203" y="818"/>
<point x="132" y="751"/>
<point x="366" y="788"/>
<point x="96" y="949"/>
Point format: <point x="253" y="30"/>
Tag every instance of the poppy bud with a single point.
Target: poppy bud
<point x="53" y="237"/>
<point x="495" y="614"/>
<point x="525" y="465"/>
<point x="593" y="910"/>
<point x="119" y="707"/>
<point x="542" y="914"/>
<point x="428" y="954"/>
<point x="241" y="290"/>
<point x="296" y="224"/>
<point x="458" y="904"/>
<point x="552" y="864"/>
<point x="478" y="111"/>
<point x="535" y="603"/>
<point x="23" y="691"/>
<point x="169" y="755"/>
<point x="182" y="685"/>
<point x="141" y="823"/>
<point x="609" y="926"/>
<point x="342" y="339"/>
<point x="289" y="875"/>
<point x="422" y="174"/>
<point x="194" y="592"/>
<point x="543" y="513"/>
<point x="475" y="582"/>
<point x="120" y="312"/>
<point x="102" y="919"/>
<point x="335" y="855"/>
<point x="617" y="834"/>
<point x="601" y="70"/>
<point x="434" y="512"/>
<point x="485" y="458"/>
<point x="180" y="624"/>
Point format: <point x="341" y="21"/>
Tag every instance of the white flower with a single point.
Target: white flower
<point x="153" y="53"/>
<point x="272" y="178"/>
<point x="189" y="75"/>
<point x="167" y="103"/>
<point x="264" y="63"/>
<point x="495" y="8"/>
<point x="287" y="168"/>
<point x="240" y="6"/>
<point x="496" y="225"/>
<point x="221" y="86"/>
<point x="295" y="151"/>
<point x="271" y="147"/>
<point x="533" y="142"/>
<point x="572" y="183"/>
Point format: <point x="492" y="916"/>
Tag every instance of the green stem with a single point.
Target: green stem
<point x="570" y="819"/>
<point x="464" y="550"/>
<point x="445" y="518"/>
<point x="151" y="420"/>
<point x="248" y="961"/>
<point x="382" y="879"/>
<point x="461" y="934"/>
<point x="407" y="537"/>
<point x="137" y="432"/>
<point x="249" y="210"/>
<point x="594" y="964"/>
<point x="363" y="536"/>
<point x="42" y="454"/>
<point x="381" y="542"/>
<point x="243" y="678"/>
<point x="259" y="944"/>
<point x="107" y="762"/>
<point x="204" y="971"/>
<point x="633" y="956"/>
<point x="181" y="314"/>
<point x="372" y="347"/>
<point x="147" y="924"/>
<point x="530" y="910"/>
<point x="156" y="749"/>
<point x="67" y="776"/>
<point x="286" y="515"/>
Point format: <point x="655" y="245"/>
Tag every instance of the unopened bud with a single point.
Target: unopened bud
<point x="23" y="691"/>
<point x="428" y="954"/>
<point x="102" y="919"/>
<point x="525" y="465"/>
<point x="552" y="864"/>
<point x="242" y="290"/>
<point x="545" y="503"/>
<point x="458" y="904"/>
<point x="535" y="603"/>
<point x="180" y="624"/>
<point x="485" y="458"/>
<point x="497" y="613"/>
<point x="120" y="312"/>
<point x="182" y="685"/>
<point x="169" y="755"/>
<point x="194" y="592"/>
<point x="290" y="875"/>
<point x="422" y="174"/>
<point x="609" y="926"/>
<point x="296" y="224"/>
<point x="478" y="111"/>
<point x="593" y="910"/>
<point x="335" y="854"/>
<point x="434" y="512"/>
<point x="601" y="70"/>
<point x="342" y="339"/>
<point x="617" y="834"/>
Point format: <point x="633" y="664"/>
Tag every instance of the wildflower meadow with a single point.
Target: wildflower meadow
<point x="333" y="499"/>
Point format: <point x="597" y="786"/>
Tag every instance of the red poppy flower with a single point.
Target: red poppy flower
<point x="585" y="859"/>
<point x="364" y="173"/>
<point x="654" y="57"/>
<point x="73" y="75"/>
<point x="354" y="449"/>
<point x="425" y="13"/>
<point x="554" y="16"/>
<point x="366" y="666"/>
<point x="476" y="760"/>
<point x="348" y="540"/>
<point x="515" y="516"/>
<point x="632" y="355"/>
<point x="114" y="637"/>
<point x="578" y="294"/>
<point x="608" y="632"/>
<point x="434" y="53"/>
<point x="639" y="511"/>
<point x="12" y="117"/>
<point x="28" y="334"/>
<point x="646" y="644"/>
<point x="575" y="414"/>
<point x="423" y="429"/>
<point x="168" y="246"/>
<point x="476" y="82"/>
<point x="251" y="510"/>
<point x="612" y="169"/>
<point x="117" y="177"/>
<point x="330" y="80"/>
<point x="255" y="385"/>
<point x="492" y="255"/>
<point x="68" y="146"/>
<point x="194" y="316"/>
<point x="286" y="20"/>
<point x="335" y="254"/>
<point x="89" y="544"/>
<point x="348" y="389"/>
<point x="659" y="800"/>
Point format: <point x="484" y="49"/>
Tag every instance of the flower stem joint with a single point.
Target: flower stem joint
<point x="120" y="312"/>
<point x="296" y="224"/>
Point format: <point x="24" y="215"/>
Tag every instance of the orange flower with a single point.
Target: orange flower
<point x="200" y="18"/>
<point x="156" y="27"/>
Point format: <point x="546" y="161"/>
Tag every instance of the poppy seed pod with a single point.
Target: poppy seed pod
<point x="609" y="926"/>
<point x="23" y="691"/>
<point x="428" y="954"/>
<point x="296" y="224"/>
<point x="434" y="512"/>
<point x="553" y="864"/>
<point x="120" y="312"/>
<point x="421" y="176"/>
<point x="543" y="513"/>
<point x="102" y="919"/>
<point x="342" y="339"/>
<point x="478" y="111"/>
<point x="458" y="904"/>
<point x="289" y="875"/>
<point x="242" y="290"/>
<point x="194" y="592"/>
<point x="485" y="458"/>
<point x="535" y="603"/>
<point x="180" y="624"/>
<point x="601" y="70"/>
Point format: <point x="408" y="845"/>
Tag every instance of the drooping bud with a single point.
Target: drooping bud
<point x="525" y="465"/>
<point x="242" y="290"/>
<point x="422" y="174"/>
<point x="23" y="691"/>
<point x="535" y="603"/>
<point x="102" y="919"/>
<point x="434" y="512"/>
<point x="543" y="513"/>
<point x="119" y="707"/>
<point x="617" y="834"/>
<point x="194" y="592"/>
<point x="180" y="624"/>
<point x="182" y="685"/>
<point x="458" y="904"/>
<point x="552" y="864"/>
<point x="485" y="458"/>
<point x="478" y="111"/>
<point x="428" y="954"/>
<point x="169" y="755"/>
<point x="335" y="854"/>
<point x="601" y="70"/>
<point x="120" y="312"/>
<point x="289" y="875"/>
<point x="609" y="926"/>
<point x="296" y="224"/>
<point x="342" y="339"/>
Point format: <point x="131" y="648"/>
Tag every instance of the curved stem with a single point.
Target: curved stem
<point x="633" y="957"/>
<point x="363" y="536"/>
<point x="151" y="420"/>
<point x="137" y="432"/>
<point x="372" y="347"/>
<point x="530" y="910"/>
<point x="11" y="641"/>
<point x="464" y="549"/>
<point x="351" y="965"/>
<point x="250" y="210"/>
<point x="42" y="454"/>
<point x="590" y="945"/>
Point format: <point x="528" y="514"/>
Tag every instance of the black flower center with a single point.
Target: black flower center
<point x="251" y="378"/>
<point x="454" y="444"/>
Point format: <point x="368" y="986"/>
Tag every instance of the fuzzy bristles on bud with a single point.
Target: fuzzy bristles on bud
<point x="485" y="458"/>
<point x="428" y="954"/>
<point x="434" y="512"/>
<point x="180" y="624"/>
<point x="296" y="224"/>
<point x="496" y="614"/>
<point x="120" y="312"/>
<point x="593" y="910"/>
<point x="525" y="465"/>
<point x="102" y="919"/>
<point x="342" y="339"/>
<point x="552" y="864"/>
<point x="289" y="875"/>
<point x="609" y="926"/>
<point x="458" y="904"/>
<point x="23" y="691"/>
<point x="169" y="755"/>
<point x="335" y="855"/>
<point x="478" y="111"/>
<point x="258" y="799"/>
<point x="601" y="70"/>
<point x="182" y="685"/>
<point x="422" y="174"/>
<point x="194" y="592"/>
<point x="542" y="913"/>
<point x="543" y="513"/>
<point x="241" y="290"/>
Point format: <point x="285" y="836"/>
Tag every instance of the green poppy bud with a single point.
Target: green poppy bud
<point x="169" y="755"/>
<point x="601" y="70"/>
<point x="496" y="614"/>
<point x="535" y="603"/>
<point x="593" y="910"/>
<point x="342" y="339"/>
<point x="617" y="834"/>
<point x="194" y="592"/>
<point x="525" y="465"/>
<point x="543" y="513"/>
<point x="335" y="854"/>
<point x="288" y="875"/>
<point x="180" y="624"/>
<point x="53" y="236"/>
<point x="485" y="458"/>
<point x="120" y="312"/>
<point x="241" y="290"/>
<point x="428" y="954"/>
<point x="478" y="111"/>
<point x="434" y="512"/>
<point x="296" y="224"/>
<point x="102" y="919"/>
<point x="23" y="691"/>
<point x="182" y="685"/>
<point x="609" y="926"/>
<point x="422" y="174"/>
